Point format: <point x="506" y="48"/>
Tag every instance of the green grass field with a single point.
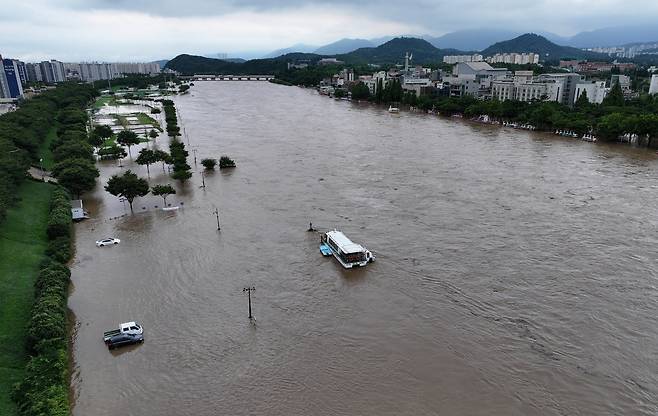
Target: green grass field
<point x="104" y="100"/>
<point x="146" y="119"/>
<point x="44" y="150"/>
<point x="22" y="246"/>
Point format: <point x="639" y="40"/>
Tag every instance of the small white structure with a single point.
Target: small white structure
<point x="77" y="212"/>
<point x="653" y="88"/>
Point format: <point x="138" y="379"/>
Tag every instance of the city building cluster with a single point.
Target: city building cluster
<point x="628" y="51"/>
<point x="476" y="78"/>
<point x="15" y="74"/>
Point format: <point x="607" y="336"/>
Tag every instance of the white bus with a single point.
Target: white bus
<point x="347" y="253"/>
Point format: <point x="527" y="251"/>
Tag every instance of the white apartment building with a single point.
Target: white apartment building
<point x="94" y="71"/>
<point x="523" y="90"/>
<point x="454" y="59"/>
<point x="514" y="58"/>
<point x="569" y="82"/>
<point x="595" y="90"/>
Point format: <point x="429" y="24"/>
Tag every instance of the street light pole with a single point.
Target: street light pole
<point x="43" y="174"/>
<point x="249" y="290"/>
<point x="217" y="214"/>
<point x="194" y="150"/>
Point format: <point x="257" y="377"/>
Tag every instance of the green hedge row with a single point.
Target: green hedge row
<point x="44" y="390"/>
<point x="170" y="117"/>
<point x="59" y="221"/>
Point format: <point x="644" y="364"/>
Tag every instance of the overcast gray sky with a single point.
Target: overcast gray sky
<point x="137" y="30"/>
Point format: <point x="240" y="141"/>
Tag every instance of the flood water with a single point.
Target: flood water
<point x="515" y="275"/>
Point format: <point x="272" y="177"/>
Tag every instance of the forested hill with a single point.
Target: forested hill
<point x="192" y="64"/>
<point x="394" y="51"/>
<point x="548" y="50"/>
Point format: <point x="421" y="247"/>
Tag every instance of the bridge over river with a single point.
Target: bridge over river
<point x="202" y="77"/>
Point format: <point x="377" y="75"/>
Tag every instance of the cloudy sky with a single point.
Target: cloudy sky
<point x="137" y="30"/>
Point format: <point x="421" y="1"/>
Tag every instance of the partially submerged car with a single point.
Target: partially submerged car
<point x="107" y="242"/>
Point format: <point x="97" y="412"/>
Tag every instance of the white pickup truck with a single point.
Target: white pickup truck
<point x="128" y="328"/>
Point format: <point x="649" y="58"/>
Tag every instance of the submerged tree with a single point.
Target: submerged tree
<point x="127" y="138"/>
<point x="162" y="156"/>
<point x="164" y="191"/>
<point x="209" y="164"/>
<point x="226" y="162"/>
<point x="146" y="157"/>
<point x="128" y="186"/>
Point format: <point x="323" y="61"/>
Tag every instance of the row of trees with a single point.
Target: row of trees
<point x="138" y="81"/>
<point x="177" y="152"/>
<point x="170" y="117"/>
<point x="23" y="131"/>
<point x="73" y="154"/>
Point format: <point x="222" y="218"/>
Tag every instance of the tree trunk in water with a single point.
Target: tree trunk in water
<point x="130" y="202"/>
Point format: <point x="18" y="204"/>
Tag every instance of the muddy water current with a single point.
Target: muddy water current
<point x="515" y="275"/>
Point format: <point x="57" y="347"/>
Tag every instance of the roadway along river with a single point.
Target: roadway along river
<point x="515" y="275"/>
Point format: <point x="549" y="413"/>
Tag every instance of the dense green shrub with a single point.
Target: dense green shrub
<point x="48" y="320"/>
<point x="44" y="389"/>
<point x="59" y="222"/>
<point x="53" y="275"/>
<point x="226" y="162"/>
<point x="59" y="249"/>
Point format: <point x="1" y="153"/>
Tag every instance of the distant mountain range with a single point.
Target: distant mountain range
<point x="299" y="47"/>
<point x="472" y="40"/>
<point x="615" y="36"/>
<point x="480" y="39"/>
<point x="344" y="46"/>
<point x="547" y="50"/>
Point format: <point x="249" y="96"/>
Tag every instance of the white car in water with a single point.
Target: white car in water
<point x="107" y="242"/>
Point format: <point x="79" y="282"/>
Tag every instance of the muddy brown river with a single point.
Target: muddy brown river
<point x="515" y="275"/>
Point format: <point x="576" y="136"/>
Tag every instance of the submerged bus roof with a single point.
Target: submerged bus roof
<point x="344" y="243"/>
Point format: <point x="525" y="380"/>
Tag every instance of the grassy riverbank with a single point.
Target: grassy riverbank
<point x="23" y="243"/>
<point x="45" y="152"/>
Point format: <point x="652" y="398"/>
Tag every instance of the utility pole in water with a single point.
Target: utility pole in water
<point x="249" y="290"/>
<point x="217" y="214"/>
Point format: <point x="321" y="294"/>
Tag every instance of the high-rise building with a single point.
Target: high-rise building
<point x="4" y="88"/>
<point x="57" y="67"/>
<point x="22" y="71"/>
<point x="12" y="78"/>
<point x="47" y="72"/>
